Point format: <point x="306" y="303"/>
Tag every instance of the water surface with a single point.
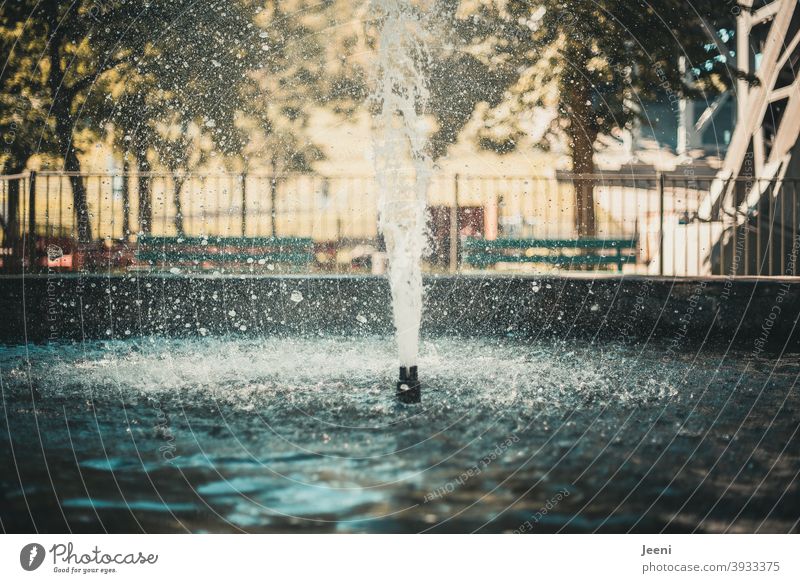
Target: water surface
<point x="303" y="434"/>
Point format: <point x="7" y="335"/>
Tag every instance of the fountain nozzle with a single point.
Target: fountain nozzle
<point x="409" y="388"/>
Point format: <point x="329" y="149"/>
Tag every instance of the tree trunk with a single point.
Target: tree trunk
<point x="11" y="238"/>
<point x="273" y="196"/>
<point x="178" y="186"/>
<point x="145" y="202"/>
<point x="11" y="220"/>
<point x="582" y="133"/>
<point x="63" y="99"/>
<point x="72" y="164"/>
<point x="583" y="183"/>
<point x="126" y="199"/>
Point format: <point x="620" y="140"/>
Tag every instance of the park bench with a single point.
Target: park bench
<point x="482" y="253"/>
<point x="210" y="252"/>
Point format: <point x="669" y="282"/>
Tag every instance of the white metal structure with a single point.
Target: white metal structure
<point x="765" y="140"/>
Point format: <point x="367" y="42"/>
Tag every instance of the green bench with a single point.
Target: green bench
<point x="589" y="251"/>
<point x="208" y="252"/>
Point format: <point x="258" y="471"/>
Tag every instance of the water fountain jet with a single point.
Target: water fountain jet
<point x="409" y="389"/>
<point x="403" y="170"/>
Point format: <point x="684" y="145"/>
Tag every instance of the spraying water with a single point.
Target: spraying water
<point x="402" y="166"/>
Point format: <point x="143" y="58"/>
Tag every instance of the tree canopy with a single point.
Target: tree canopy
<point x="141" y="70"/>
<point x="172" y="83"/>
<point x="592" y="63"/>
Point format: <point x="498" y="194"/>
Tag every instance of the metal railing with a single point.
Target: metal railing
<point x="677" y="228"/>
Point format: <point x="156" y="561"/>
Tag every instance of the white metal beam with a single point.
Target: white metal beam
<point x="753" y="102"/>
<point x="764" y="13"/>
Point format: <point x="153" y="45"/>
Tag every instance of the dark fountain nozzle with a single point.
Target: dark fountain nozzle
<point x="409" y="388"/>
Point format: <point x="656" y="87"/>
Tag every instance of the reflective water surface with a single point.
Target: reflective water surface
<point x="304" y="434"/>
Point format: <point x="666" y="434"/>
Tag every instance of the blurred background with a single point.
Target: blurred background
<point x="235" y="136"/>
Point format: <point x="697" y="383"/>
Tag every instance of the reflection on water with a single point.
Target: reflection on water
<point x="304" y="434"/>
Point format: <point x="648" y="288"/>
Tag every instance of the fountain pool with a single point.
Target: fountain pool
<point x="301" y="434"/>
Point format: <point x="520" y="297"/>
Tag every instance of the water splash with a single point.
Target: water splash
<point x="402" y="165"/>
<point x="341" y="380"/>
<point x="283" y="434"/>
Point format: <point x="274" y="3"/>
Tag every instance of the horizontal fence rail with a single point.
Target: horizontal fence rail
<point x="651" y="224"/>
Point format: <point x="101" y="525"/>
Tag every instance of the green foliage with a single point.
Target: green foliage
<point x="462" y="75"/>
<point x="141" y="69"/>
<point x="593" y="62"/>
<point x="226" y="85"/>
<point x="239" y="75"/>
<point x="283" y="86"/>
<point x="24" y="127"/>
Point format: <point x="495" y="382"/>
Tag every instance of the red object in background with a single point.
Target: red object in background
<point x="55" y="253"/>
<point x="64" y="253"/>
<point x="325" y="255"/>
<point x="470" y="224"/>
<point x="471" y="221"/>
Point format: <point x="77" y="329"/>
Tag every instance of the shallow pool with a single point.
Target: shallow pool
<point x="304" y="434"/>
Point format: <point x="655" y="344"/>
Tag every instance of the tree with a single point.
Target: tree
<point x="66" y="51"/>
<point x="179" y="147"/>
<point x="593" y="63"/>
<point x="281" y="92"/>
<point x="243" y="88"/>
<point x="189" y="80"/>
<point x="167" y="50"/>
<point x="24" y="129"/>
<point x="133" y="133"/>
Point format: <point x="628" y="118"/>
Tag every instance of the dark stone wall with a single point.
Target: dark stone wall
<point x="680" y="313"/>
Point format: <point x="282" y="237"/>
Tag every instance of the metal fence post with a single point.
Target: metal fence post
<point x="244" y="205"/>
<point x="126" y="199"/>
<point x="273" y="198"/>
<point x="454" y="228"/>
<point x="32" y="220"/>
<point x="660" y="223"/>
